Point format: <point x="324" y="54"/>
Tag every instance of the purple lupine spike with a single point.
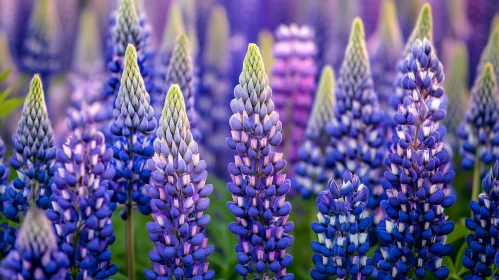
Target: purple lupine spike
<point x="483" y="241"/>
<point x="258" y="187"/>
<point x="293" y="82"/>
<point x="81" y="202"/>
<point x="179" y="197"/>
<point x="35" y="254"/>
<point x="357" y="133"/>
<point x="342" y="231"/>
<point x="415" y="228"/>
<point x="311" y="173"/>
<point x="479" y="130"/>
<point x="34" y="155"/>
<point x="215" y="93"/>
<point x="133" y="122"/>
<point x="7" y="234"/>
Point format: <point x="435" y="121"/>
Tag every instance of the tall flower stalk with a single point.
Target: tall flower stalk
<point x="7" y="233"/>
<point x="342" y="231"/>
<point x="414" y="230"/>
<point x="81" y="201"/>
<point x="180" y="72"/>
<point x="293" y="82"/>
<point x="133" y="122"/>
<point x="258" y="187"/>
<point x="479" y="131"/>
<point x="483" y="241"/>
<point x="34" y="156"/>
<point x="311" y="173"/>
<point x="179" y="197"/>
<point x="356" y="131"/>
<point x="35" y="254"/>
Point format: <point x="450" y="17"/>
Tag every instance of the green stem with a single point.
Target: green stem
<point x="74" y="270"/>
<point x="476" y="179"/>
<point x="130" y="249"/>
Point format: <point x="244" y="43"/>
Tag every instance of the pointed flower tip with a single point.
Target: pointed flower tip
<point x="36" y="87"/>
<point x="36" y="225"/>
<point x="253" y="60"/>
<point x="488" y="72"/>
<point x="357" y="28"/>
<point x="327" y="75"/>
<point x="174" y="93"/>
<point x="425" y="14"/>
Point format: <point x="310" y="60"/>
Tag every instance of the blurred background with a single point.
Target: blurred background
<point x="68" y="40"/>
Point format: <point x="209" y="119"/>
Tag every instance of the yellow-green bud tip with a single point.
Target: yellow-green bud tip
<point x="36" y="88"/>
<point x="174" y="93"/>
<point x="488" y="70"/>
<point x="327" y="77"/>
<point x="253" y="62"/>
<point x="357" y="29"/>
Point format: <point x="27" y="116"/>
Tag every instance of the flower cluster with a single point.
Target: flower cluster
<point x="342" y="231"/>
<point x="356" y="131"/>
<point x="387" y="41"/>
<point x="293" y="82"/>
<point x="214" y="94"/>
<point x="180" y="72"/>
<point x="35" y="254"/>
<point x="133" y="121"/>
<point x="258" y="187"/>
<point x="415" y="228"/>
<point x="483" y="241"/>
<point x="81" y="202"/>
<point x="179" y="197"/>
<point x="479" y="130"/>
<point x="34" y="155"/>
<point x="40" y="52"/>
<point x="311" y="174"/>
<point x="174" y="28"/>
<point x="126" y="28"/>
<point x="422" y="29"/>
<point x="7" y="234"/>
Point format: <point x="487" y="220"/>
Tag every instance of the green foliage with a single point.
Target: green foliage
<point x="8" y="105"/>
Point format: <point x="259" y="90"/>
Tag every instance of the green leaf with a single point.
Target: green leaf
<point x="460" y="269"/>
<point x="460" y="231"/>
<point x="7" y="107"/>
<point x="4" y="75"/>
<point x="4" y="94"/>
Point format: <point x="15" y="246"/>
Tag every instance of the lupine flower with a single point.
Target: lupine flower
<point x="88" y="57"/>
<point x="126" y="28"/>
<point x="7" y="234"/>
<point x="179" y="197"/>
<point x="81" y="201"/>
<point x="34" y="155"/>
<point x="266" y="43"/>
<point x="40" y="52"/>
<point x="180" y="71"/>
<point x="320" y="16"/>
<point x="479" y="130"/>
<point x="258" y="187"/>
<point x="293" y="82"/>
<point x="342" y="231"/>
<point x="415" y="228"/>
<point x="133" y="121"/>
<point x="386" y="42"/>
<point x="422" y="29"/>
<point x="173" y="29"/>
<point x="35" y="254"/>
<point x="356" y="130"/>
<point x="482" y="242"/>
<point x="456" y="85"/>
<point x="215" y="91"/>
<point x="311" y="174"/>
<point x="491" y="50"/>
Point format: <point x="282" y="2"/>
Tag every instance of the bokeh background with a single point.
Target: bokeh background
<point x="80" y="29"/>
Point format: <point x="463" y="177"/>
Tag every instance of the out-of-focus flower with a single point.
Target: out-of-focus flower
<point x="81" y="202"/>
<point x="293" y="83"/>
<point x="133" y="122"/>
<point x="258" y="187"/>
<point x="35" y="254"/>
<point x="88" y="57"/>
<point x="479" y="130"/>
<point x="383" y="45"/>
<point x="342" y="231"/>
<point x="356" y="130"/>
<point x="266" y="44"/>
<point x="491" y="51"/>
<point x="7" y="234"/>
<point x="414" y="230"/>
<point x="174" y="28"/>
<point x="34" y="155"/>
<point x="180" y="72"/>
<point x="40" y="52"/>
<point x="422" y="29"/>
<point x="215" y="92"/>
<point x="179" y="197"/>
<point x="456" y="86"/>
<point x="483" y="240"/>
<point x="311" y="173"/>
